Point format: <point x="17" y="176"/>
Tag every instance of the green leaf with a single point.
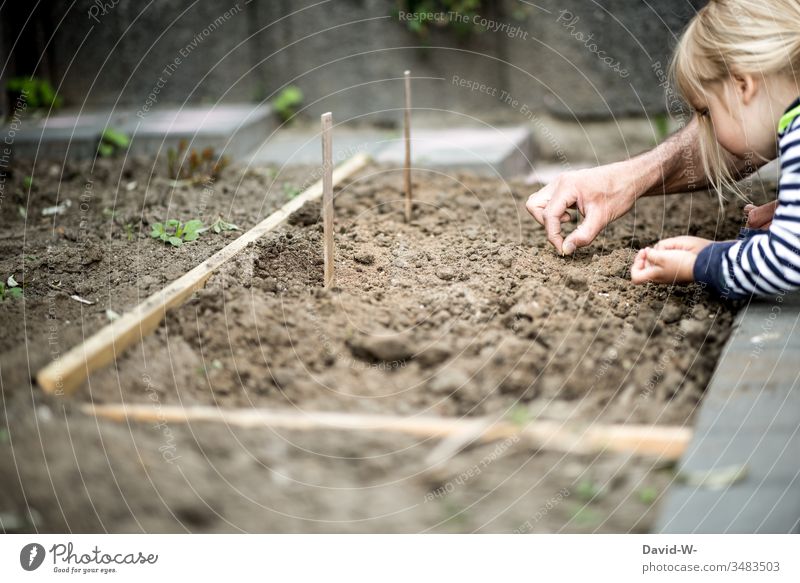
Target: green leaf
<point x="648" y="495"/>
<point x="105" y="150"/>
<point x="158" y="230"/>
<point x="221" y="225"/>
<point x="287" y="102"/>
<point x="587" y="490"/>
<point x="15" y="292"/>
<point x="193" y="225"/>
<point x="27" y="182"/>
<point x="174" y="223"/>
<point x="175" y="241"/>
<point x="115" y="138"/>
<point x="164" y="236"/>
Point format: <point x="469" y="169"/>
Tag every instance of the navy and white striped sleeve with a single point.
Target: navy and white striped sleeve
<point x="766" y="263"/>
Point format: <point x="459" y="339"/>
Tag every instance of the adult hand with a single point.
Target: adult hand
<point x="601" y="195"/>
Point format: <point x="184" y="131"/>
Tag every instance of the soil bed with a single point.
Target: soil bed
<point x="464" y="311"/>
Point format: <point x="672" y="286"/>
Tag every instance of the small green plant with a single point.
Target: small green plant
<point x="129" y="231"/>
<point x="27" y="182"/>
<point x="36" y="93"/>
<point x="183" y="164"/>
<point x="287" y="102"/>
<point x="587" y="490"/>
<point x="219" y="225"/>
<point x="585" y="516"/>
<point x="290" y="190"/>
<point x="176" y="233"/>
<point x="463" y="25"/>
<point x="648" y="495"/>
<point x="112" y="142"/>
<point x="661" y="127"/>
<point x="11" y="289"/>
<point x="519" y="415"/>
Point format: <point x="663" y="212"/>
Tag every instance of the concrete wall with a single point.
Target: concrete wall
<point x="563" y="60"/>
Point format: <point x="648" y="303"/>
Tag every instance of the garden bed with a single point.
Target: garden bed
<point x="465" y="311"/>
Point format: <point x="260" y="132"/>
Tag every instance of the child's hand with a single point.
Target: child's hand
<point x="670" y="261"/>
<point x="759" y="217"/>
<point x="684" y="243"/>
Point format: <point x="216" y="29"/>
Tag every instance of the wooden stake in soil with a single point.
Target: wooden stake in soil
<point x="327" y="197"/>
<point x="64" y="375"/>
<point x="407" y="169"/>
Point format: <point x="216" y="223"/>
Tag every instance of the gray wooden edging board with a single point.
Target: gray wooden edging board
<point x="749" y="416"/>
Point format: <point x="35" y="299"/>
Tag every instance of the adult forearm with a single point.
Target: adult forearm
<point x="676" y="166"/>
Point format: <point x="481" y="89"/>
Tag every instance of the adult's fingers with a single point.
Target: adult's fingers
<point x="586" y="232"/>
<point x="537" y="202"/>
<point x="552" y="222"/>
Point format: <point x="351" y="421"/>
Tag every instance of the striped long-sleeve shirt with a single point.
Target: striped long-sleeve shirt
<point x="763" y="262"/>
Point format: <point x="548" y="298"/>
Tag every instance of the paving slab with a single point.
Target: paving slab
<point x="235" y="130"/>
<point x="504" y="152"/>
<point x="749" y="417"/>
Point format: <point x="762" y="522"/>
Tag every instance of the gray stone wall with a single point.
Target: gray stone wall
<point x="569" y="59"/>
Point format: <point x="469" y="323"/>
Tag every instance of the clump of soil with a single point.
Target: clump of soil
<point x="464" y="311"/>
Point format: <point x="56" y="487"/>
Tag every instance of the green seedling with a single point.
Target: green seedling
<point x="587" y="490"/>
<point x="176" y="233"/>
<point x="129" y="231"/>
<point x="220" y="225"/>
<point x="287" y="102"/>
<point x="27" y="182"/>
<point x="468" y="9"/>
<point x="290" y="190"/>
<point x="585" y="516"/>
<point x="661" y="126"/>
<point x="648" y="495"/>
<point x="11" y="289"/>
<point x="112" y="142"/>
<point x="36" y="93"/>
<point x="519" y="416"/>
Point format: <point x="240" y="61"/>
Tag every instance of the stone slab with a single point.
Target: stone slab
<point x="233" y="130"/>
<point x="504" y="152"/>
<point x="749" y="417"/>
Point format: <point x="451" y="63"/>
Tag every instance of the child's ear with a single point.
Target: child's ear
<point x="746" y="87"/>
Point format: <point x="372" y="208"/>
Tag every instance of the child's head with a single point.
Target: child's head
<point x="736" y="64"/>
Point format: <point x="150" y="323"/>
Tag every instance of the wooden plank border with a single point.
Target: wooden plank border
<point x="665" y="442"/>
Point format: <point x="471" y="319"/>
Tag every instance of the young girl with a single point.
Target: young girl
<point x="738" y="66"/>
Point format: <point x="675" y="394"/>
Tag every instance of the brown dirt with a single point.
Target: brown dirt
<point x="465" y="311"/>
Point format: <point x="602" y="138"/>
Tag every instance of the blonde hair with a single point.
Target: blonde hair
<point x="729" y="37"/>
